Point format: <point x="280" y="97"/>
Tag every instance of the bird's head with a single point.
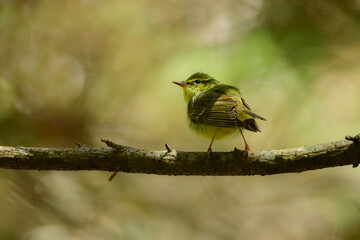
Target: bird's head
<point x="196" y="83"/>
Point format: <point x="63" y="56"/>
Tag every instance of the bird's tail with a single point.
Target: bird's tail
<point x="254" y="115"/>
<point x="251" y="125"/>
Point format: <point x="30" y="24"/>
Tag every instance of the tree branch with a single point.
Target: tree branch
<point x="172" y="162"/>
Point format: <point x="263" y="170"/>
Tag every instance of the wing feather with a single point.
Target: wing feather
<point x="220" y="109"/>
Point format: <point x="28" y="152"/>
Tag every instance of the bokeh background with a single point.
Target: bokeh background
<point x="80" y="70"/>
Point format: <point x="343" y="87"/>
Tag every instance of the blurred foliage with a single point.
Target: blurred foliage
<point x="82" y="70"/>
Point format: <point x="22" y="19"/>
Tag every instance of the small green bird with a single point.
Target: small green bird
<point x="215" y="110"/>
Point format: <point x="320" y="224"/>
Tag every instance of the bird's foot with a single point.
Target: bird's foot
<point x="246" y="152"/>
<point x="247" y="148"/>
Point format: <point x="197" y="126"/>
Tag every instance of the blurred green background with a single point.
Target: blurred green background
<point x="81" y="70"/>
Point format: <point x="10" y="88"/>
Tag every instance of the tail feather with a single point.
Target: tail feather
<point x="251" y="125"/>
<point x="254" y="115"/>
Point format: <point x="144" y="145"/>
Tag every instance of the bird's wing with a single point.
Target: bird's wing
<point x="222" y="109"/>
<point x="247" y="110"/>
<point x="219" y="113"/>
<point x="245" y="104"/>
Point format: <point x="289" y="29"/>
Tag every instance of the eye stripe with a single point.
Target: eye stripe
<point x="197" y="81"/>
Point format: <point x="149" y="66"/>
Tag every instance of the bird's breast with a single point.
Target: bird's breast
<point x="208" y="131"/>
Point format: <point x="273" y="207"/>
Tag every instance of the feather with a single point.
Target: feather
<point x="254" y="115"/>
<point x="222" y="107"/>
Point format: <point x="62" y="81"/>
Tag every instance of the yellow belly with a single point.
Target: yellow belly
<point x="209" y="131"/>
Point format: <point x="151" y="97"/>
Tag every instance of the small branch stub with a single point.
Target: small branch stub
<point x="118" y="148"/>
<point x="167" y="148"/>
<point x="355" y="139"/>
<point x="113" y="145"/>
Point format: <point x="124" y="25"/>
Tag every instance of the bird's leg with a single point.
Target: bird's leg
<point x="247" y="148"/>
<point x="210" y="149"/>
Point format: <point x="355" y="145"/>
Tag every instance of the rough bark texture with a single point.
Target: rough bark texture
<point x="172" y="162"/>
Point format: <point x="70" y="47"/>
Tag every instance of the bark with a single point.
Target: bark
<point x="172" y="162"/>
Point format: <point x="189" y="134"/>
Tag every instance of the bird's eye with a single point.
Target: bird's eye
<point x="197" y="81"/>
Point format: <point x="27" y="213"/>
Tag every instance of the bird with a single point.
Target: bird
<point x="216" y="110"/>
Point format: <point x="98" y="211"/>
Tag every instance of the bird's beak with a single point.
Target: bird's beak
<point x="181" y="84"/>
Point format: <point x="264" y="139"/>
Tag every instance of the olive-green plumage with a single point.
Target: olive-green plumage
<point x="216" y="110"/>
